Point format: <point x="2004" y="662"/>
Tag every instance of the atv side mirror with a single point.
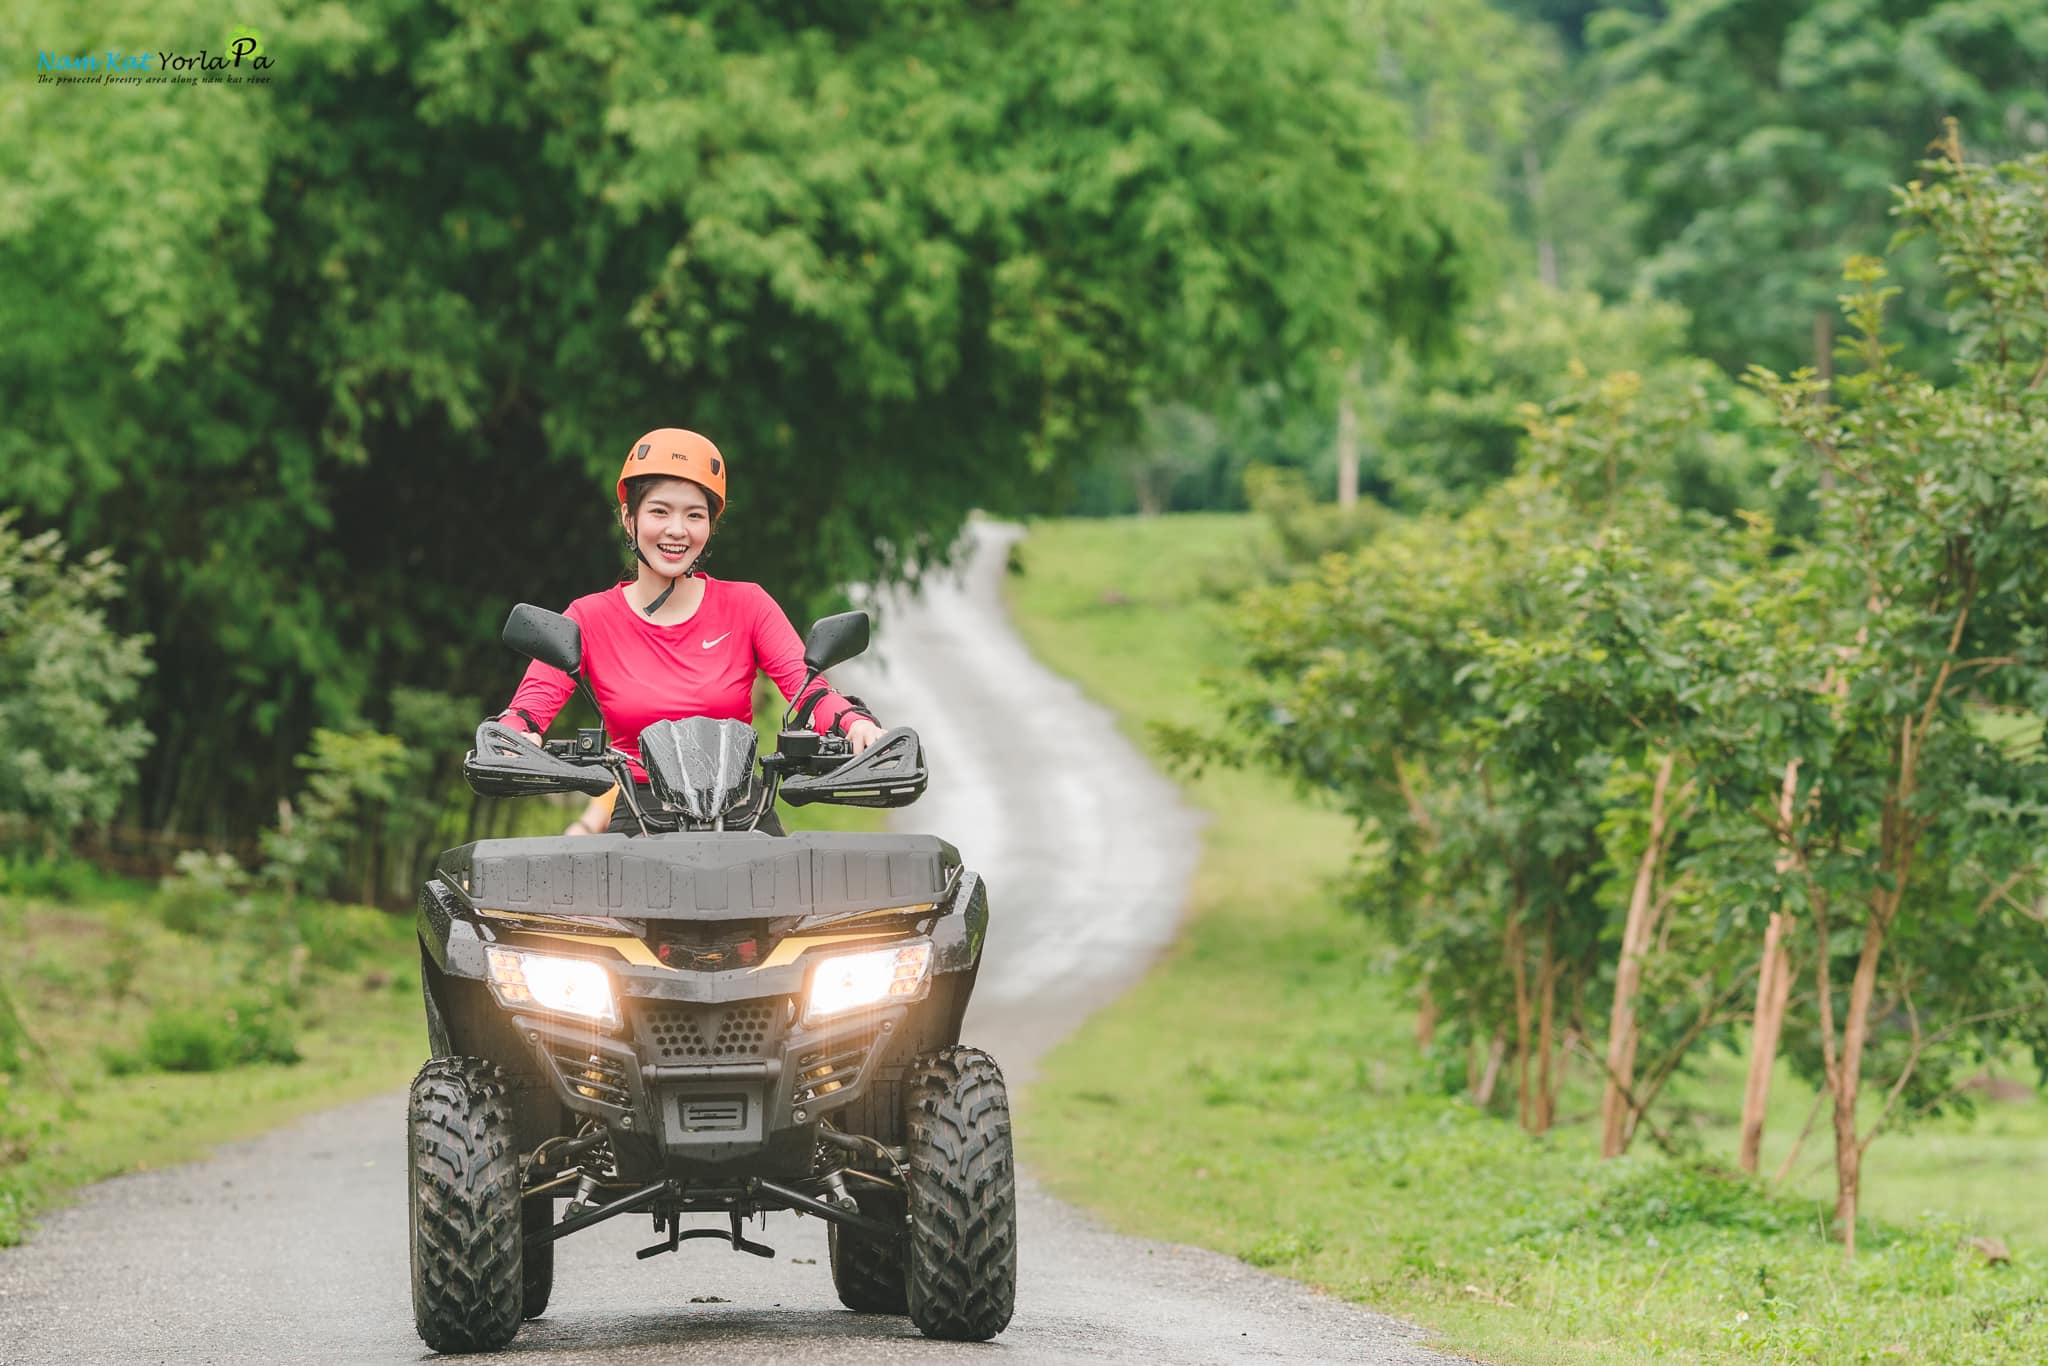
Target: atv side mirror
<point x="546" y="636"/>
<point x="834" y="640"/>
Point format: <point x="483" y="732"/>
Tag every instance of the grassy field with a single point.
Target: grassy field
<point x="1260" y="1092"/>
<point x="134" y="1044"/>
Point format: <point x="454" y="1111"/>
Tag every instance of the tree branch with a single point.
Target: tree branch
<point x="2002" y="893"/>
<point x="1921" y="1046"/>
<point x="1662" y="1138"/>
<point x="1792" y="1155"/>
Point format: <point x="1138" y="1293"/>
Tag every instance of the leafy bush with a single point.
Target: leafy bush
<point x="1305" y="529"/>
<point x="353" y="776"/>
<point x="13" y="1043"/>
<point x="122" y="1062"/>
<point x="1663" y="1195"/>
<point x="51" y="877"/>
<point x="205" y="892"/>
<point x="208" y="1038"/>
<point x="340" y="937"/>
<point x="122" y="953"/>
<point x="1607" y="751"/>
<point x="64" y="675"/>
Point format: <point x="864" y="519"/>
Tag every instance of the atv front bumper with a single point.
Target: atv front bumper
<point x="710" y="1084"/>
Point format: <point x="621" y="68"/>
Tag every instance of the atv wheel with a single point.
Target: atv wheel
<point x="868" y="1274"/>
<point x="463" y="1170"/>
<point x="537" y="1274"/>
<point x="962" y="1281"/>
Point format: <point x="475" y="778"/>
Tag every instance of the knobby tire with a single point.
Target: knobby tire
<point x="467" y="1229"/>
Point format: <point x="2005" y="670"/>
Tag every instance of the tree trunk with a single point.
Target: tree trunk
<point x="1848" y="1079"/>
<point x="1524" y="1016"/>
<point x="1425" y="1021"/>
<point x="1546" y="1031"/>
<point x="1489" y="1080"/>
<point x="1616" y="1119"/>
<point x="1824" y="348"/>
<point x="1539" y="216"/>
<point x="1824" y="370"/>
<point x="1347" y="449"/>
<point x="1145" y="484"/>
<point x="1773" y="991"/>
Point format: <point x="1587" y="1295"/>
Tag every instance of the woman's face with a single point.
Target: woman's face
<point x="672" y="526"/>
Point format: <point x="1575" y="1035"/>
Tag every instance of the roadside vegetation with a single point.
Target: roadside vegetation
<point x="1263" y="1091"/>
<point x="140" y="1025"/>
<point x="1647" y="811"/>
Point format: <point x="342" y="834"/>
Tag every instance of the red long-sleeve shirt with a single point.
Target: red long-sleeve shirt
<point x="705" y="666"/>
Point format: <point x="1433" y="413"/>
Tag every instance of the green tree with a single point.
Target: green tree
<point x="369" y="357"/>
<point x="68" y="683"/>
<point x="1760" y="140"/>
<point x="1451" y="427"/>
<point x="1917" y="828"/>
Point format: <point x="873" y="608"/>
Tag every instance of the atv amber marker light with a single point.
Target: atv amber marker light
<point x="568" y="986"/>
<point x="849" y="981"/>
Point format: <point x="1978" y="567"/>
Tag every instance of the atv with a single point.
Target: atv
<point x="704" y="1017"/>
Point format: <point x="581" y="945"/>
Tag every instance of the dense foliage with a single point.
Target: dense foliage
<point x="359" y="375"/>
<point x="67" y="687"/>
<point x="1757" y="142"/>
<point x="1631" y="771"/>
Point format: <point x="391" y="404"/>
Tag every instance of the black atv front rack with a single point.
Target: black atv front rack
<point x="677" y="1234"/>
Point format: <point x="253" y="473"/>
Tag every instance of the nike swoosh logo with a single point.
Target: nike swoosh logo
<point x="709" y="643"/>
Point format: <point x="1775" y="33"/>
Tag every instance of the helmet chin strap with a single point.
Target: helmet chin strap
<point x="661" y="597"/>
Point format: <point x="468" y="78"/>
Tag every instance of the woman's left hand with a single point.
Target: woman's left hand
<point x="860" y="733"/>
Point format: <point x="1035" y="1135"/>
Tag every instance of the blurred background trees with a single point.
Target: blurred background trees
<point x="339" y="367"/>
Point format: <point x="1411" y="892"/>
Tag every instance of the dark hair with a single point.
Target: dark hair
<point x="637" y="489"/>
<point x="638" y="486"/>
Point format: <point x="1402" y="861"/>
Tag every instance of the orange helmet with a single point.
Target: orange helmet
<point x="674" y="453"/>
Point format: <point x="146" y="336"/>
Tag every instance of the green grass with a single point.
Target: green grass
<point x="1260" y="1092"/>
<point x="107" y="997"/>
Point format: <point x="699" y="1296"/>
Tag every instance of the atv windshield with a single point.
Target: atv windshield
<point x="699" y="766"/>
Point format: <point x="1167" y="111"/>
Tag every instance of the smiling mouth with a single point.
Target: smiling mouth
<point x="673" y="552"/>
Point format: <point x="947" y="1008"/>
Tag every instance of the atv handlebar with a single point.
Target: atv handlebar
<point x="805" y="767"/>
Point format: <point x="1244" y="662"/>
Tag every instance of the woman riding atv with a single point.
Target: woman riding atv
<point x="684" y="1017"/>
<point x="671" y="640"/>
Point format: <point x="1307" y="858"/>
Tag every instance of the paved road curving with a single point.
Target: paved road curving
<point x="291" y="1247"/>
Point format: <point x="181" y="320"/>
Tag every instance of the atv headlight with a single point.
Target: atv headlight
<point x="848" y="981"/>
<point x="568" y="986"/>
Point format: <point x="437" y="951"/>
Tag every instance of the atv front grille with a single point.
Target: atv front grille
<point x="592" y="1075"/>
<point x="822" y="1071"/>
<point x="743" y="1032"/>
<point x="714" y="947"/>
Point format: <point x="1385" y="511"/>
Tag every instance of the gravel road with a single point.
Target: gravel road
<point x="291" y="1247"/>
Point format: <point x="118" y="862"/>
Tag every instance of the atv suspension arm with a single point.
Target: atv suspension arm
<point x="625" y="1204"/>
<point x="874" y="1228"/>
